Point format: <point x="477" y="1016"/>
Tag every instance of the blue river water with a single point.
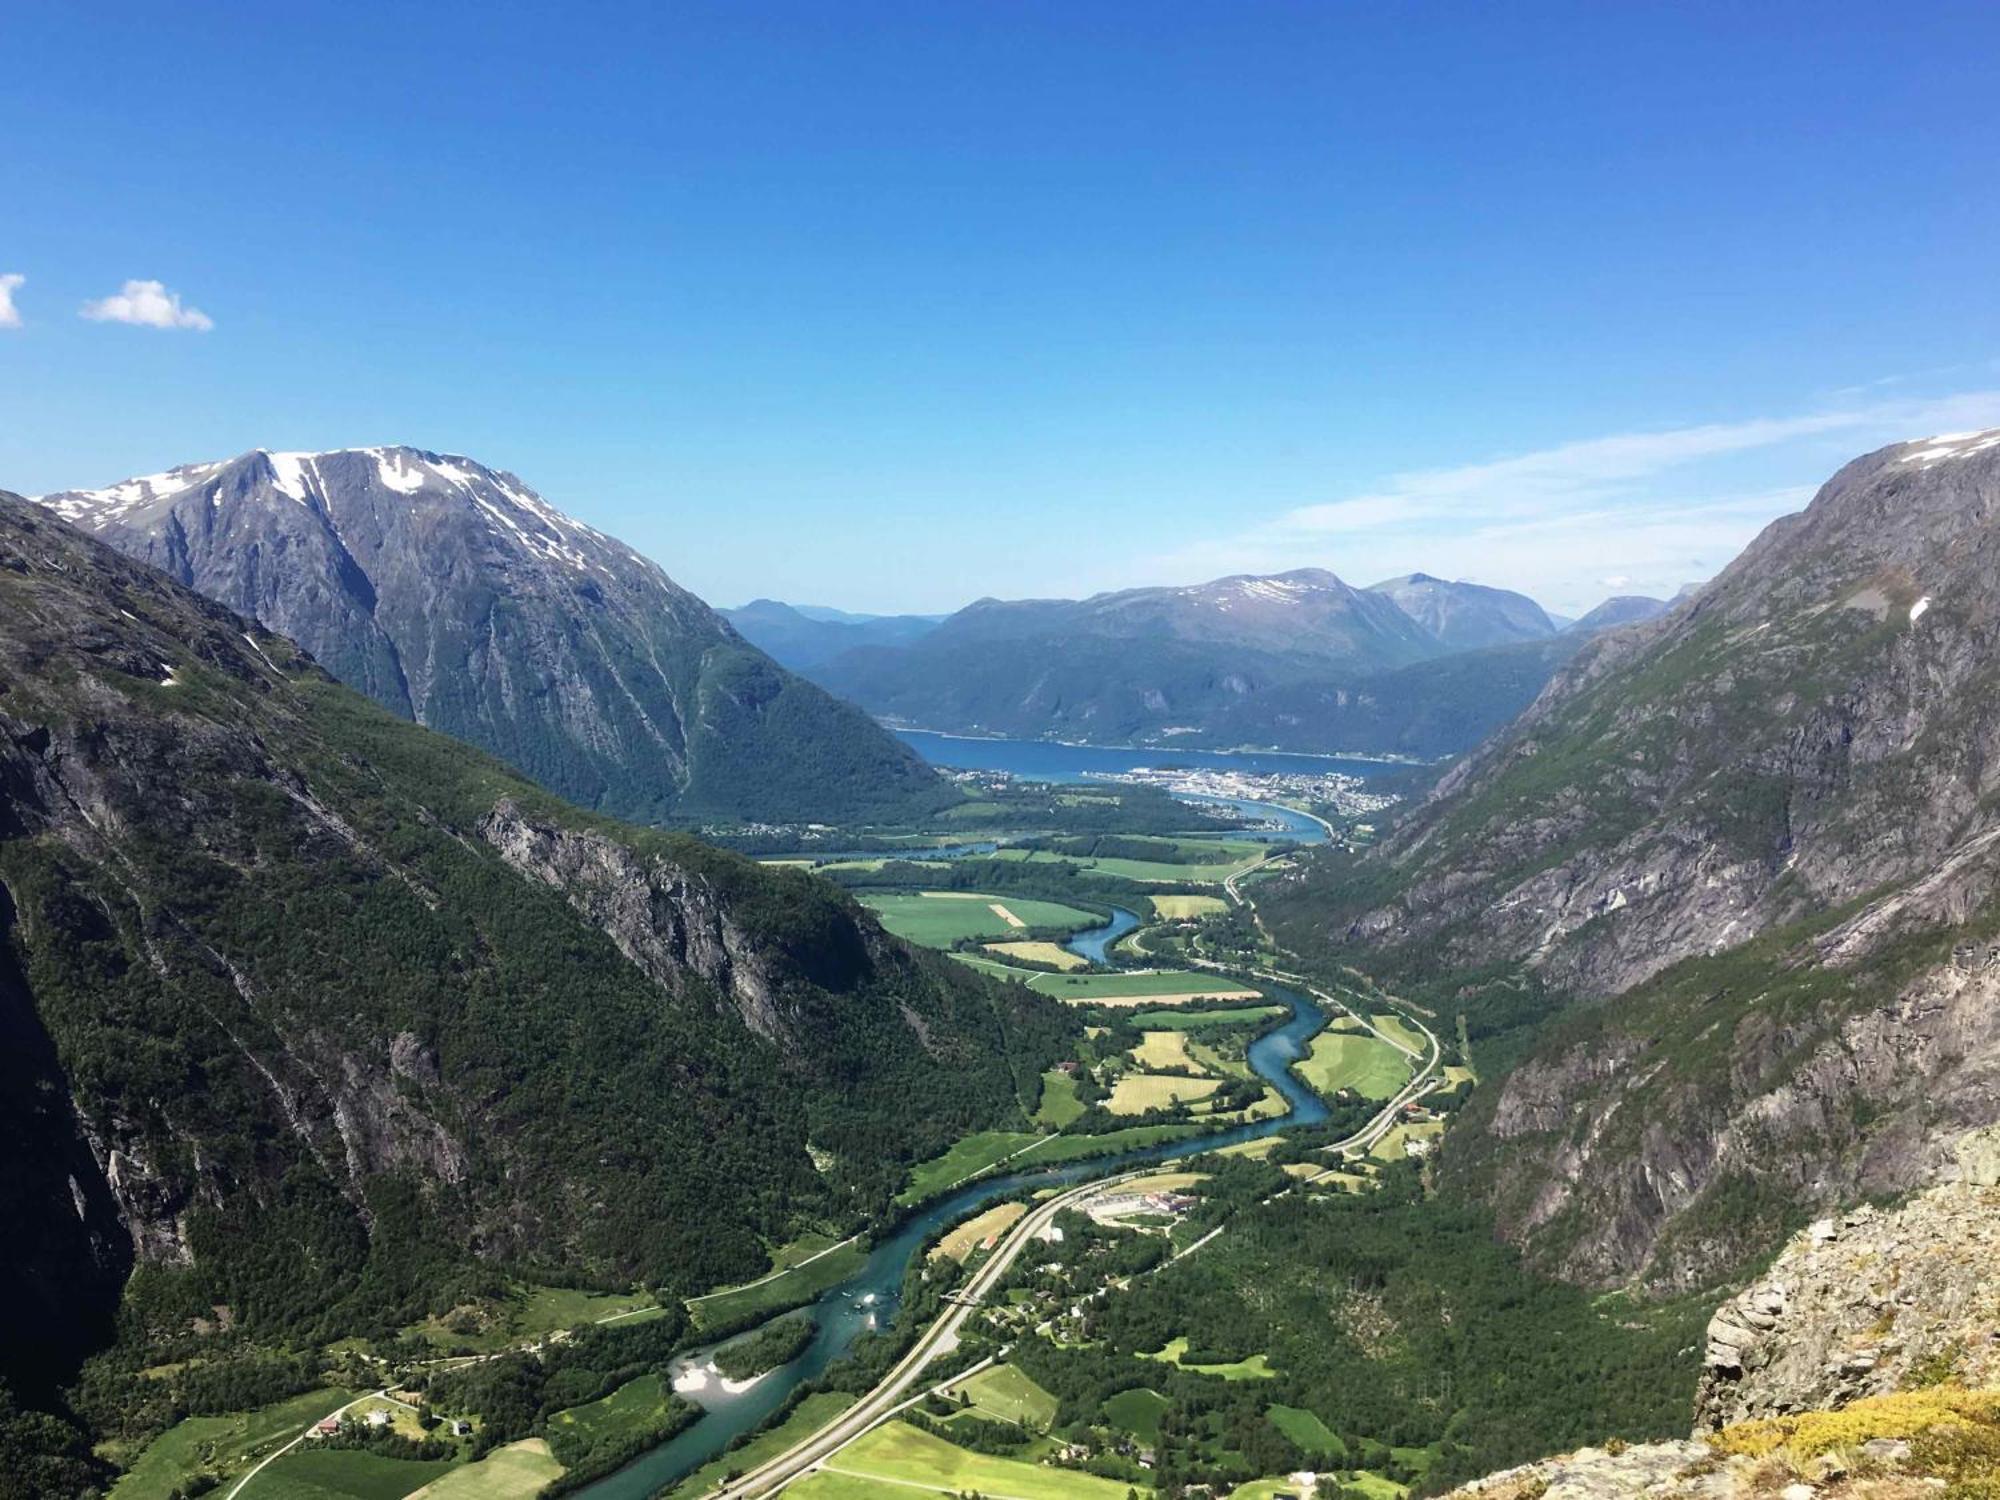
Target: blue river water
<point x="868" y="1298"/>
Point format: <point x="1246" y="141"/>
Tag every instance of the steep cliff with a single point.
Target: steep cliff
<point x="453" y="594"/>
<point x="1750" y="845"/>
<point x="1863" y="1364"/>
<point x="308" y="1009"/>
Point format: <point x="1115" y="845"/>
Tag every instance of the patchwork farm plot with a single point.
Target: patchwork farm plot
<point x="1354" y="1060"/>
<point x="938" y="919"/>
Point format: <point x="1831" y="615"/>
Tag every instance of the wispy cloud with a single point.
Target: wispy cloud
<point x="10" y="283"/>
<point x="1651" y="509"/>
<point x="147" y="304"/>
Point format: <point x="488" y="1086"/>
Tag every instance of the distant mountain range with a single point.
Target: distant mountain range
<point x="1414" y="665"/>
<point x="453" y="594"/>
<point x="802" y="635"/>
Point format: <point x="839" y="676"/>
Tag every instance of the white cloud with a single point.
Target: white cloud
<point x="1651" y="510"/>
<point x="10" y="315"/>
<point x="148" y="304"/>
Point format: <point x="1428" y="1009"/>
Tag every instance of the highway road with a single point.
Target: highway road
<point x="939" y="1339"/>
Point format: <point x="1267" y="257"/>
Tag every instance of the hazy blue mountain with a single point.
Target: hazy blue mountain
<point x="801" y="636"/>
<point x="1625" y="609"/>
<point x="1467" y="616"/>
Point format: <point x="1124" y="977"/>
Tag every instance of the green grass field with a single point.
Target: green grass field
<point x="1112" y="988"/>
<point x="1205" y="1020"/>
<point x="807" y="1418"/>
<point x="939" y="921"/>
<point x="1137" y="1411"/>
<point x="636" y="1406"/>
<point x="1004" y="1392"/>
<point x="1059" y="1102"/>
<point x="1256" y="1367"/>
<point x="307" y="1473"/>
<point x="899" y="1455"/>
<point x="1136" y="1093"/>
<point x="1354" y="1060"/>
<point x="1181" y="908"/>
<point x="1307" y="1430"/>
<point x="221" y="1445"/>
<point x="788" y="1289"/>
<point x="968" y="1155"/>
<point x="528" y="1312"/>
<point x="1069" y="1147"/>
<point x="1230" y="859"/>
<point x="516" y="1472"/>
<point x="1400" y="1030"/>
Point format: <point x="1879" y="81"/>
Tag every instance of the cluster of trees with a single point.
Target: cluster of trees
<point x="778" y="1342"/>
<point x="1398" y="1321"/>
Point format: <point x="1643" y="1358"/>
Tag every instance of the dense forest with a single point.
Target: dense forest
<point x="1398" y="1322"/>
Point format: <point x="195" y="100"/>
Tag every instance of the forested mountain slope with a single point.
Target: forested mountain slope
<point x="1760" y="830"/>
<point x="451" y="593"/>
<point x="311" y="1013"/>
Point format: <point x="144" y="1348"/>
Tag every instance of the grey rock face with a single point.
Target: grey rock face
<point x="451" y="593"/>
<point x="1798" y="767"/>
<point x="1865" y="1303"/>
<point x="1814" y="724"/>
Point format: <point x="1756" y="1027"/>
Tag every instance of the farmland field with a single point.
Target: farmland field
<point x="1353" y="1060"/>
<point x="529" y="1311"/>
<point x="309" y="1473"/>
<point x="1230" y="859"/>
<point x="1164" y="1049"/>
<point x="638" y="1406"/>
<point x="941" y="919"/>
<point x="1005" y="1392"/>
<point x="1200" y="1020"/>
<point x="1181" y="908"/>
<point x="1306" y="1430"/>
<point x="1041" y="953"/>
<point x="1137" y="1411"/>
<point x="236" y="1441"/>
<point x="898" y="1454"/>
<point x="1256" y="1367"/>
<point x="779" y="1292"/>
<point x="973" y="1153"/>
<point x="1135" y="1093"/>
<point x="1060" y="1104"/>
<point x="1397" y="1029"/>
<point x="515" y="1472"/>
<point x="967" y="1237"/>
<point x="1114" y="989"/>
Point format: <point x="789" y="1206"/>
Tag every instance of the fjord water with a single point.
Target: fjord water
<point x="868" y="1298"/>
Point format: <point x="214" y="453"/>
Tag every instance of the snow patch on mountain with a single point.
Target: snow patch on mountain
<point x="1949" y="446"/>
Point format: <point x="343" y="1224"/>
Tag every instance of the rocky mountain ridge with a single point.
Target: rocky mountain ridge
<point x="1746" y="852"/>
<point x="319" y="1016"/>
<point x="453" y="594"/>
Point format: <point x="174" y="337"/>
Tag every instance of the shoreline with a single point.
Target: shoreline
<point x="1368" y="757"/>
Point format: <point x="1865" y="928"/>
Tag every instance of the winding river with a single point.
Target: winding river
<point x="868" y="1297"/>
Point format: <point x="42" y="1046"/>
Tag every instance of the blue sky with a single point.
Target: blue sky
<point x="891" y="306"/>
